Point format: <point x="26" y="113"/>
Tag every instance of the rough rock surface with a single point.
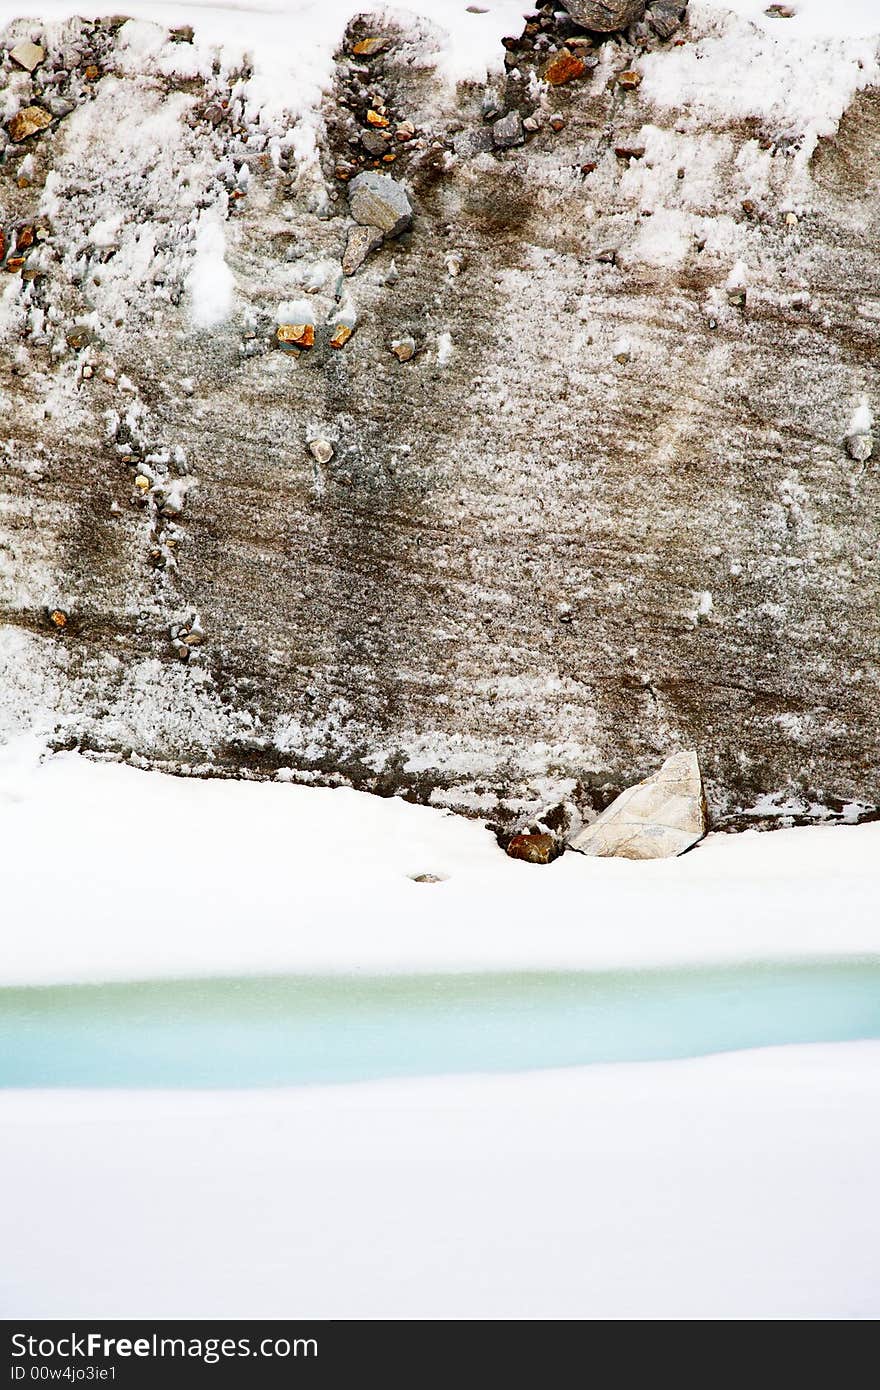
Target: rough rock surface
<point x="604" y="16"/>
<point x="376" y="200"/>
<point x="532" y="565"/>
<point x="660" y="817"/>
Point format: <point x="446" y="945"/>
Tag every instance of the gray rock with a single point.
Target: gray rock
<point x="508" y="131"/>
<point x="605" y="16"/>
<point x="377" y="200"/>
<point x="27" y="55"/>
<point x="373" y="142"/>
<point x="664" y="19"/>
<point x="361" y="241"/>
<point x="468" y="143"/>
<point x="656" y="819"/>
<point x="59" y="106"/>
<point x="859" y="446"/>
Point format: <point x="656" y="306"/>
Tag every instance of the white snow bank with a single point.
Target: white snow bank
<point x="737" y="1187"/>
<point x="800" y="75"/>
<point x="114" y="873"/>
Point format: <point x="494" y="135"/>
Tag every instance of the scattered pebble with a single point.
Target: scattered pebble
<point x="321" y="450"/>
<point x="58" y="618"/>
<point x="403" y="348"/>
<point x="366" y="48"/>
<point x="508" y="131"/>
<point x="565" y="67"/>
<point x="557" y="123"/>
<point x="295" y="336"/>
<point x="29" y="121"/>
<point x="340" y="335"/>
<point x="27" y="55"/>
<point x="630" y="79"/>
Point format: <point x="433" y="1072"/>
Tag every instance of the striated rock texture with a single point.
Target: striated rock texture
<point x="656" y="819"/>
<point x="604" y="509"/>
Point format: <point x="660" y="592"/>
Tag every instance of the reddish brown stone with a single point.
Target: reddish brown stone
<point x="565" y="67"/>
<point x="296" y="335"/>
<point x="629" y="79"/>
<point x="534" y="849"/>
<point x="29" y="121"/>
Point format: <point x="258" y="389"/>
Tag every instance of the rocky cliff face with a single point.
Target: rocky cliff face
<point x="604" y="508"/>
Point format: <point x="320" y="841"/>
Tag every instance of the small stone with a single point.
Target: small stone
<point x="664" y="20"/>
<point x="780" y="11"/>
<point x="403" y="348"/>
<point x="557" y="123"/>
<point x="321" y="450"/>
<point x="662" y="816"/>
<point x="373" y="142"/>
<point x="375" y="118"/>
<point x="629" y="151"/>
<point x="621" y="351"/>
<point x="531" y="124"/>
<point x="92" y="72"/>
<point x="565" y="67"/>
<point x="194" y="638"/>
<point x="405" y="131"/>
<point x="468" y="143"/>
<point x="360" y="242"/>
<point x="366" y="48"/>
<point x="629" y="80"/>
<point x="533" y="849"/>
<point x="605" y="16"/>
<point x="27" y="55"/>
<point x="59" y="107"/>
<point x="29" y="121"/>
<point x="295" y="335"/>
<point x="508" y="131"/>
<point x="791" y="219"/>
<point x="455" y="262"/>
<point x="142" y="483"/>
<point x="859" y="446"/>
<point x="435" y="878"/>
<point x="58" y="618"/>
<point x="340" y="336"/>
<point x="377" y="200"/>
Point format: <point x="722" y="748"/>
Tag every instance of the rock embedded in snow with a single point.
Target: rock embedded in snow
<point x="664" y="19"/>
<point x="605" y="16"/>
<point x="29" y="121"/>
<point x="533" y="849"/>
<point x="321" y="450"/>
<point x="27" y="55"/>
<point x="359" y="243"/>
<point x="403" y="348"/>
<point x="657" y="818"/>
<point x="859" y="439"/>
<point x="468" y="143"/>
<point x="377" y="200"/>
<point x="508" y="131"/>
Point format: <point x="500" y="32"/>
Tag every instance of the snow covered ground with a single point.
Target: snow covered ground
<point x="144" y="875"/>
<point x="740" y="1186"/>
<point x="733" y="1187"/>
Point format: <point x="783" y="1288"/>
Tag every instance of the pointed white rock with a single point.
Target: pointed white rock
<point x="657" y="818"/>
